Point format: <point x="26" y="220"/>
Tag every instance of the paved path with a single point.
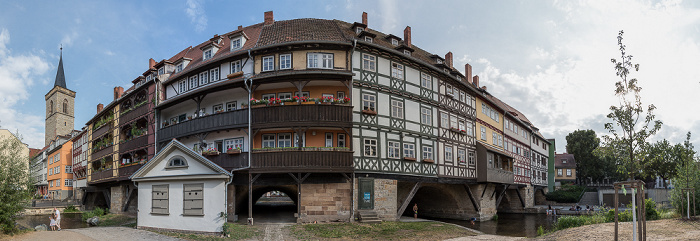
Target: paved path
<point x="275" y="232"/>
<point x="96" y="233"/>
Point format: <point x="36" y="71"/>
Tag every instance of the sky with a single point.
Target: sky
<point x="548" y="59"/>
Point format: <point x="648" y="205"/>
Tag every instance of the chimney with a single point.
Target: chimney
<point x="364" y="18"/>
<point x="476" y="81"/>
<point x="240" y="27"/>
<point x="151" y="63"/>
<point x="468" y="72"/>
<point x="118" y="91"/>
<point x="269" y="19"/>
<point x="407" y="36"/>
<point x="448" y="59"/>
<point x="99" y="107"/>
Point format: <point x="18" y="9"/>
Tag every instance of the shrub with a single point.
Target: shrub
<point x="650" y="207"/>
<point x="565" y="222"/>
<point x="567" y="194"/>
<point x="625" y="216"/>
<point x="540" y="231"/>
<point x="71" y="208"/>
<point x="95" y="212"/>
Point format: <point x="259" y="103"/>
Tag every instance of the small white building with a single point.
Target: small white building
<point x="181" y="190"/>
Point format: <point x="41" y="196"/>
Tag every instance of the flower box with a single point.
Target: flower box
<point x="259" y="105"/>
<point x="409" y="159"/>
<point x="233" y="152"/>
<point x="234" y="75"/>
<point x="308" y="103"/>
<point x="369" y="112"/>
<point x="210" y="153"/>
<point x="428" y="160"/>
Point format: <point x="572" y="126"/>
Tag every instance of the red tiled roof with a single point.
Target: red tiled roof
<point x="570" y="160"/>
<point x="33" y="152"/>
<point x="303" y="29"/>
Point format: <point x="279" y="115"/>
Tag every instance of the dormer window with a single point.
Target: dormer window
<point x="394" y="42"/>
<point x="406" y="52"/>
<point x="207" y="54"/>
<point x="359" y="30"/>
<point x="368" y="39"/>
<point x="236" y="44"/>
<point x="439" y="61"/>
<point x="178" y="69"/>
<point x="177" y="162"/>
<point x="161" y="71"/>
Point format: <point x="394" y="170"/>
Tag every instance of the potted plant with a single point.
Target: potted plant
<point x="233" y="151"/>
<point x="255" y="103"/>
<point x="308" y="101"/>
<point x="369" y="111"/>
<point x="189" y="117"/>
<point x="210" y="152"/>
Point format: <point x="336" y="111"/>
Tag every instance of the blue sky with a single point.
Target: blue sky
<point x="549" y="59"/>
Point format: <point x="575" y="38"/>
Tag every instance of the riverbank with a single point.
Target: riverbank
<point x="666" y="229"/>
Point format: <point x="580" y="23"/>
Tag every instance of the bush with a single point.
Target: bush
<point x="650" y="207"/>
<point x="540" y="231"/>
<point x="565" y="222"/>
<point x="625" y="216"/>
<point x="567" y="194"/>
<point x="95" y="212"/>
<point x="70" y="209"/>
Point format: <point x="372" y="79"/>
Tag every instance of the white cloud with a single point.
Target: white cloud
<point x="68" y="39"/>
<point x="109" y="52"/>
<point x="17" y="75"/>
<point x="195" y="12"/>
<point x="389" y="15"/>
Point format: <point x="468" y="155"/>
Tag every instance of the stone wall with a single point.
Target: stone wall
<point x="438" y="200"/>
<point x="325" y="202"/>
<point x="487" y="204"/>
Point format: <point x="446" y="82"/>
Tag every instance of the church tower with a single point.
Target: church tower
<point x="59" y="107"/>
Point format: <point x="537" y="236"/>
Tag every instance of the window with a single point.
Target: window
<point x="483" y="133"/>
<point x="268" y="96"/>
<point x="68" y="183"/>
<point x="428" y="152"/>
<point x="297" y="140"/>
<point x="500" y="140"/>
<point x="214" y="75"/>
<point x="470" y="128"/>
<point x="161" y="71"/>
<point x="406" y="52"/>
<point x="448" y="153"/>
<point x="462" y="156"/>
<point x="371" y="147"/>
<point x="340" y="94"/>
<point x="182" y="117"/>
<point x="69" y="169"/>
<point x="286" y="95"/>
<point x="285" y="61"/>
<point x="559" y="172"/>
<point x="207" y="54"/>
<point x="396" y="109"/>
<point x="218" y="108"/>
<point x="462" y="127"/>
<point x="193" y="203"/>
<point x="235" y="143"/>
<point x="58" y="170"/>
<point x="341" y="140"/>
<point x="369" y="62"/>
<point x="236" y="43"/>
<point x="359" y="30"/>
<point x="471" y="158"/>
<point x="303" y="94"/>
<point x="409" y="150"/>
<point x="329" y="139"/>
<point x="183" y="86"/>
<point x="568" y="172"/>
<point x="489" y="158"/>
<point x="65" y="106"/>
<point x="368" y="102"/>
<point x="203" y="78"/>
<point x="368" y="39"/>
<point x="268" y="63"/>
<point x="231" y="106"/>
<point x="178" y="68"/>
<point x="563" y="161"/>
<point x="235" y="66"/>
<point x="444" y="120"/>
<point x="426" y="116"/>
<point x="57" y="182"/>
<point x="284" y="140"/>
<point x="448" y="90"/>
<point x="50" y="171"/>
<point x="177" y="161"/>
<point x="426" y="81"/>
<point x="319" y="61"/>
<point x="495" y="139"/>
<point x="462" y="96"/>
<point x="268" y="141"/>
<point x="453" y="122"/>
<point x="397" y="70"/>
<point x="394" y="42"/>
<point x="393" y="149"/>
<point x="193" y="82"/>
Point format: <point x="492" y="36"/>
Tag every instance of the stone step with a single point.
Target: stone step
<point x="367" y="216"/>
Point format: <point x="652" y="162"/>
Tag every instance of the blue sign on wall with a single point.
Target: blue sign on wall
<point x="367" y="197"/>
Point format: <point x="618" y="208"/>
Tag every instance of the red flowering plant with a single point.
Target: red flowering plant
<point x="327" y="99"/>
<point x="254" y="101"/>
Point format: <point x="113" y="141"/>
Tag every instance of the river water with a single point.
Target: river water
<point x="68" y="221"/>
<point x="508" y="224"/>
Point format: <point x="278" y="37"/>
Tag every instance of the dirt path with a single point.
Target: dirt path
<point x="668" y="229"/>
<point x="275" y="232"/>
<point x="486" y="237"/>
<point x="97" y="233"/>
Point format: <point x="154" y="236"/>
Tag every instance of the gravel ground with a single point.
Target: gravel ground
<point x="486" y="237"/>
<point x="667" y="229"/>
<point x="95" y="233"/>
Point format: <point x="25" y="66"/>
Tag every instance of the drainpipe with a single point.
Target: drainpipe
<point x="230" y="180"/>
<point x="250" y="141"/>
<point x="352" y="199"/>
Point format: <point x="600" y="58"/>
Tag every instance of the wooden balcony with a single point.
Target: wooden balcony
<point x="125" y="172"/>
<point x="303" y="115"/>
<point x="230" y="162"/>
<point x="302" y="160"/>
<point x="136" y="143"/>
<point x="102" y="130"/>
<point x="101" y="175"/>
<point x="133" y="114"/>
<point x="496" y="175"/>
<point x="221" y="121"/>
<point x="101" y="153"/>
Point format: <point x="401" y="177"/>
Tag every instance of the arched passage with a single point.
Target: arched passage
<point x="437" y="200"/>
<point x="277" y="209"/>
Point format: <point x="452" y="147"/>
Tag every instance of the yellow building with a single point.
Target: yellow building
<point x="565" y="168"/>
<point x="494" y="164"/>
<point x="60" y="169"/>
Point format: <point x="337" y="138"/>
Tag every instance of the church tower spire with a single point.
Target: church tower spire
<point x="59" y="107"/>
<point x="60" y="76"/>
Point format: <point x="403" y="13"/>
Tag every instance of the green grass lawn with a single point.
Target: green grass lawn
<point x="380" y="231"/>
<point x="237" y="232"/>
<point x="112" y="220"/>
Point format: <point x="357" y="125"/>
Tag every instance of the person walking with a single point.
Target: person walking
<point x="58" y="218"/>
<point x="415" y="210"/>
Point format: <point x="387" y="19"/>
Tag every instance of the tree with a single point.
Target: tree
<point x="629" y="134"/>
<point x="582" y="143"/>
<point x="15" y="182"/>
<point x="688" y="176"/>
<point x="662" y="159"/>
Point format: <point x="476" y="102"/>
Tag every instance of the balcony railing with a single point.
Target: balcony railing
<point x="306" y="160"/>
<point x="221" y="121"/>
<point x="314" y="115"/>
<point x="138" y="142"/>
<point x="230" y="162"/>
<point x="126" y="171"/>
<point x="499" y="176"/>
<point x="99" y="154"/>
<point x="100" y="175"/>
<point x="102" y="130"/>
<point x="133" y="114"/>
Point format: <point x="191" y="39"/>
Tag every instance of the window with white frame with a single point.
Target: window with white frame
<point x="231" y="106"/>
<point x="409" y="150"/>
<point x="559" y="172"/>
<point x="329" y="139"/>
<point x="462" y="96"/>
<point x="495" y="139"/>
<point x="234" y="143"/>
<point x="178" y="69"/>
<point x="369" y="102"/>
<point x="454" y="122"/>
<point x="284" y="95"/>
<point x="470" y="128"/>
<point x="235" y="66"/>
<point x="406" y="52"/>
<point x="445" y="120"/>
<point x="236" y="43"/>
<point x="369" y="62"/>
<point x="69" y="169"/>
<point x="193" y="82"/>
<point x="393" y="149"/>
<point x="58" y="182"/>
<point x="268" y="96"/>
<point x="203" y="78"/>
<point x="285" y="61"/>
<point x="284" y="140"/>
<point x="397" y="70"/>
<point x="396" y="109"/>
<point x="472" y="160"/>
<point x="218" y="108"/>
<point x="268" y="140"/>
<point x="448" y="153"/>
<point x="426" y="81"/>
<point x="428" y="152"/>
<point x="448" y="89"/>
<point x="161" y="71"/>
<point x="207" y="54"/>
<point x="426" y="116"/>
<point x="483" y="133"/>
<point x="568" y="172"/>
<point x="371" y="147"/>
<point x="68" y="183"/>
<point x="462" y="127"/>
<point x="214" y="75"/>
<point x="341" y="140"/>
<point x="268" y="63"/>
<point x="489" y="158"/>
<point x="462" y="156"/>
<point x="359" y="30"/>
<point x="394" y="42"/>
<point x="368" y="39"/>
<point x="319" y="60"/>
